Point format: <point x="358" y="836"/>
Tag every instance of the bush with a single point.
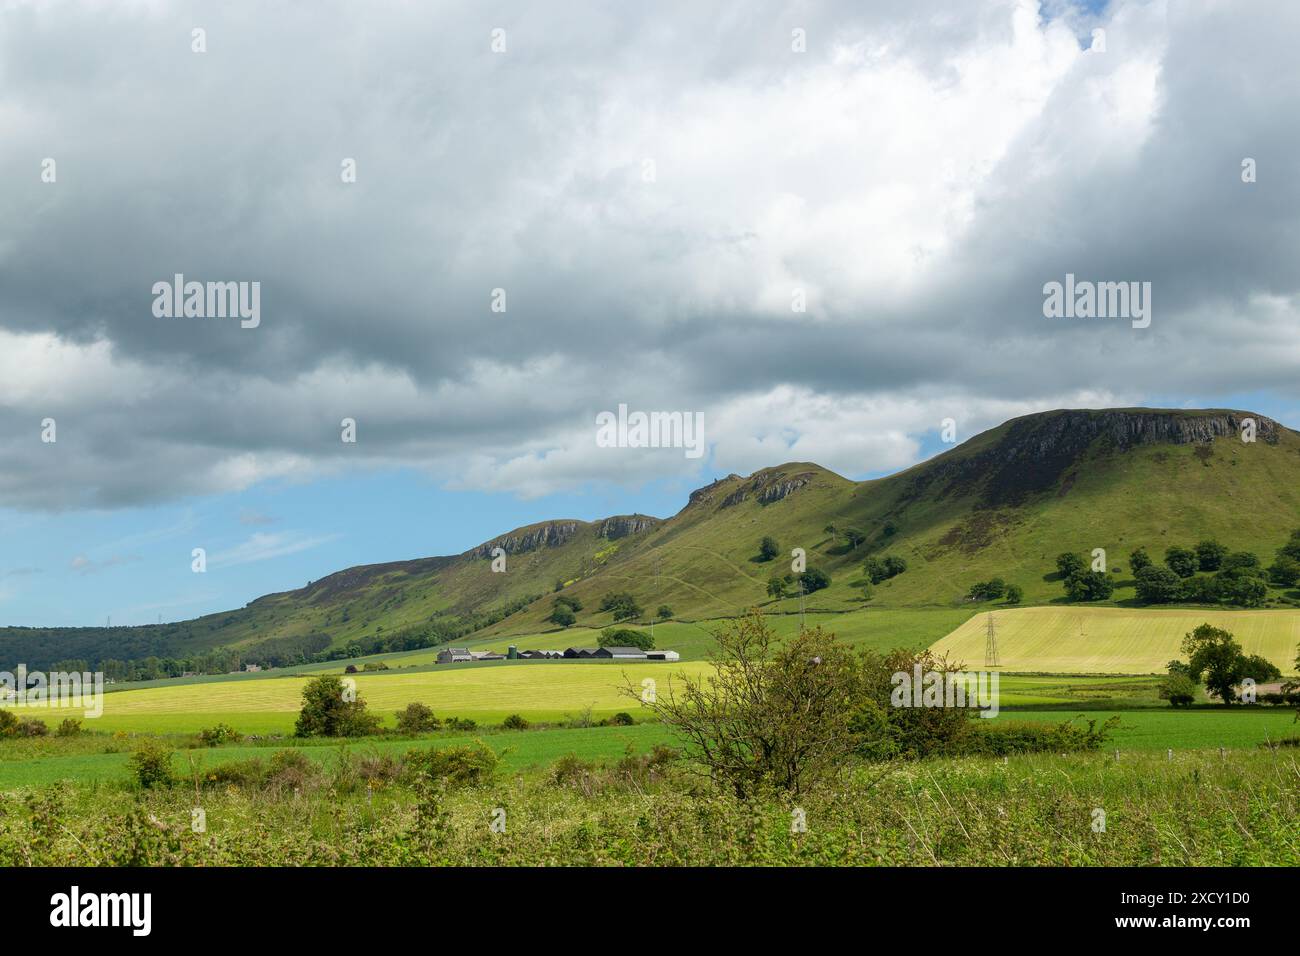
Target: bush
<point x="1209" y="555"/>
<point x="622" y="603"/>
<point x="326" y="712"/>
<point x="416" y="718"/>
<point x="770" y="715"/>
<point x="989" y="590"/>
<point x="1181" y="561"/>
<point x="220" y="734"/>
<point x="1089" y="586"/>
<point x="515" y="722"/>
<point x="882" y="569"/>
<point x="1138" y="560"/>
<point x="569" y="601"/>
<point x="461" y="723"/>
<point x="1015" y="594"/>
<point x="814" y="579"/>
<point x="625" y="637"/>
<point x="563" y="615"/>
<point x="664" y="612"/>
<point x="768" y="548"/>
<point x="998" y="738"/>
<point x="1178" y="689"/>
<point x="69" y="728"/>
<point x="31" y="727"/>
<point x="1068" y="563"/>
<point x="453" y="766"/>
<point x="1156" y="585"/>
<point x="8" y="723"/>
<point x="151" y="765"/>
<point x="621" y="719"/>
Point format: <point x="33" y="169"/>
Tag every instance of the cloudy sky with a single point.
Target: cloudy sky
<point x="652" y="186"/>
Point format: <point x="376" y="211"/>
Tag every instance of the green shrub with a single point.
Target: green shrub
<point x="69" y="728"/>
<point x="461" y="724"/>
<point x="220" y="734"/>
<point x="515" y="722"/>
<point x="416" y="718"/>
<point x="465" y="766"/>
<point x="32" y="727"/>
<point x="327" y="711"/>
<point x="151" y="765"/>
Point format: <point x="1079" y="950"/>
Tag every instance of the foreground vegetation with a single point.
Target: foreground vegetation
<point x="1198" y="809"/>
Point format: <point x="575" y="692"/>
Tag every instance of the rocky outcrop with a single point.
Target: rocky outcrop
<point x="706" y="494"/>
<point x="1036" y="453"/>
<point x="550" y="534"/>
<point x="620" y="526"/>
<point x="768" y="486"/>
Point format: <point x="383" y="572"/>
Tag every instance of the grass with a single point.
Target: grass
<point x="1108" y="640"/>
<point x="1040" y="810"/>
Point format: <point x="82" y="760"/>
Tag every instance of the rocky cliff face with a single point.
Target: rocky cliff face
<point x="768" y="486"/>
<point x="620" y="526"/>
<point x="550" y="534"/>
<point x="1037" y="451"/>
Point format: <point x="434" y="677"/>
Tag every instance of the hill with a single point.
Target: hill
<point x="1004" y="503"/>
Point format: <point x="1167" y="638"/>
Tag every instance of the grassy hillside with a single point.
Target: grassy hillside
<point x="1002" y="504"/>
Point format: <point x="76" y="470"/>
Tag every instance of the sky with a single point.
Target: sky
<point x="823" y="227"/>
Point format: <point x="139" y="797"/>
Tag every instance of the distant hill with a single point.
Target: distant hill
<point x="1004" y="503"/>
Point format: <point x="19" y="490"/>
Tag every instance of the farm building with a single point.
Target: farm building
<point x="487" y="656"/>
<point x="451" y="655"/>
<point x="621" y="653"/>
<point x="581" y="652"/>
<point x="662" y="656"/>
<point x="540" y="655"/>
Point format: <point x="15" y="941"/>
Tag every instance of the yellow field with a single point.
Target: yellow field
<point x="1107" y="640"/>
<point x="539" y="691"/>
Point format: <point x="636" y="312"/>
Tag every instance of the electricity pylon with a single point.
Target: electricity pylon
<point x="991" y="644"/>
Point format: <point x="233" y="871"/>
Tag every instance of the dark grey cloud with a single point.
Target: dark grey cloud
<point x="920" y="172"/>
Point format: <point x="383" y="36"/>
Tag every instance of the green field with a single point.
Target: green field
<point x="1108" y="640"/>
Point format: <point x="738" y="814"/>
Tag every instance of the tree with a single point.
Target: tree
<point x="1067" y="562"/>
<point x="814" y="579"/>
<point x="770" y="715"/>
<point x="1241" y="589"/>
<point x="1015" y="594"/>
<point x="768" y="548"/>
<point x="894" y="565"/>
<point x="1202" y="589"/>
<point x="1139" y="559"/>
<point x="1215" y="658"/>
<point x="989" y="590"/>
<point x="1239" y="562"/>
<point x="622" y="603"/>
<point x="563" y="615"/>
<point x="1285" y="571"/>
<point x="868" y="591"/>
<point x="416" y="718"/>
<point x="1209" y="554"/>
<point x="776" y="586"/>
<point x="331" y="710"/>
<point x="664" y="613"/>
<point x="854" y="537"/>
<point x="569" y="601"/>
<point x="1181" y="561"/>
<point x="1178" y="689"/>
<point x="625" y="637"/>
<point x="1089" y="586"/>
<point x="1157" y="585"/>
<point x="1259" y="669"/>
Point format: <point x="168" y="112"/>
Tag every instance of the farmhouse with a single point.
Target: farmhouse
<point x="451" y="655"/>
